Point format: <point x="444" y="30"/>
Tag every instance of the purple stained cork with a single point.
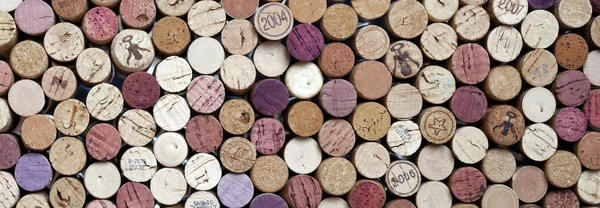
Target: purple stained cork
<point x="542" y="4"/>
<point x="9" y="151"/>
<point x="591" y="109"/>
<point x="269" y="97"/>
<point x="235" y="190"/>
<point x="596" y="5"/>
<point x="468" y="104"/>
<point x="204" y="133"/>
<point x="140" y="90"/>
<point x="303" y="191"/>
<point x="367" y="194"/>
<point x="205" y="94"/>
<point x="572" y="88"/>
<point x="570" y="124"/>
<point x="33" y="172"/>
<point x="305" y="42"/>
<point x="470" y="63"/>
<point x="34" y="17"/>
<point x="134" y="195"/>
<point x="100" y="25"/>
<point x="267" y="135"/>
<point x="103" y="142"/>
<point x="268" y="201"/>
<point x="338" y="98"/>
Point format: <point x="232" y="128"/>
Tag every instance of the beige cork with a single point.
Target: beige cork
<point x="269" y="173"/>
<point x="302" y="155"/>
<point x="239" y="37"/>
<point x="414" y="15"/>
<point x="537" y="104"/>
<point x="102" y="179"/>
<point x="22" y="58"/>
<point x="305" y="118"/>
<point x="370" y="9"/>
<point x="304" y="80"/>
<point x="26" y="98"/>
<point x="529" y="183"/>
<point x="106" y="3"/>
<point x="206" y="18"/>
<point x="137" y="127"/>
<point x="8" y="77"/>
<point x="71" y="117"/>
<point x="170" y="149"/>
<point x="8" y="32"/>
<point x="539" y="142"/>
<point x="436" y="84"/>
<point x="38" y="132"/>
<point x="171" y="112"/>
<point x="39" y="199"/>
<point x="236" y="116"/>
<point x="538" y="67"/>
<point x="307" y="11"/>
<point x="68" y="156"/>
<point x="67" y="192"/>
<point x="503" y="124"/>
<point x="171" y="36"/>
<point x="273" y="31"/>
<point x="404" y="138"/>
<point x="371" y="42"/>
<point x="333" y="202"/>
<point x="471" y="23"/>
<point x="6" y="116"/>
<point x="206" y="55"/>
<point x="464" y="205"/>
<point x="201" y="198"/>
<point x="238" y="154"/>
<point x="539" y="29"/>
<point x="9" y="189"/>
<point x="590" y="67"/>
<point x="433" y="190"/>
<point x="403" y="101"/>
<point x="336" y="175"/>
<point x="400" y="203"/>
<point x="503" y="83"/>
<point x="403" y="59"/>
<point x="469" y="144"/>
<point x="438" y="41"/>
<point x="435" y="162"/>
<point x="93" y="66"/>
<point x="371" y="79"/>
<point x="238" y="74"/>
<point x="271" y="58"/>
<point x="572" y="14"/>
<point x="174" y="7"/>
<point x="498" y="165"/>
<point x="370" y="120"/>
<point x="203" y="171"/>
<point x="504" y="43"/>
<point x="587" y="187"/>
<point x="64" y="41"/>
<point x="508" y="12"/>
<point x="437" y="124"/>
<point x="70" y="10"/>
<point x="403" y="178"/>
<point x="173" y="74"/>
<point x="105" y="101"/>
<point x="138" y="164"/>
<point x="10" y="6"/>
<point x="440" y="11"/>
<point x="562" y="169"/>
<point x="168" y="186"/>
<point x="592" y="32"/>
<point x="500" y="196"/>
<point x="339" y="22"/>
<point x="132" y="50"/>
<point x="59" y="83"/>
<point x="371" y="160"/>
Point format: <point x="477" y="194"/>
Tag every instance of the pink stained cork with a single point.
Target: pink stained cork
<point x="103" y="142"/>
<point x="572" y="88"/>
<point x="204" y="133"/>
<point x="565" y="198"/>
<point x="100" y="25"/>
<point x="34" y="17"/>
<point x="591" y="109"/>
<point x="587" y="151"/>
<point x="337" y="137"/>
<point x="141" y="90"/>
<point x="9" y="151"/>
<point x="267" y="135"/>
<point x="205" y="94"/>
<point x="303" y="191"/>
<point x="305" y="42"/>
<point x="138" y="14"/>
<point x="367" y="194"/>
<point x="570" y="124"/>
<point x="470" y="63"/>
<point x="134" y="195"/>
<point x="7" y="78"/>
<point x="467" y="184"/>
<point x="468" y="104"/>
<point x="338" y="98"/>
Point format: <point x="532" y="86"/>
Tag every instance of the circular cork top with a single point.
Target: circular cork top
<point x="106" y="3"/>
<point x="201" y="197"/>
<point x="433" y="190"/>
<point x="239" y="37"/>
<point x="67" y="156"/>
<point x="38" y="132"/>
<point x="592" y="113"/>
<point x="132" y="194"/>
<point x="572" y="88"/>
<point x="571" y="51"/>
<point x="103" y="142"/>
<point x="141" y="90"/>
<point x="437" y="124"/>
<point x="400" y="203"/>
<point x="370" y="10"/>
<point x="562" y="169"/>
<point x="403" y="59"/>
<point x="307" y="11"/>
<point x="238" y="74"/>
<point x="6" y="116"/>
<point x="10" y="6"/>
<point x="9" y="189"/>
<point x="573" y="14"/>
<point x="500" y="196"/>
<point x="137" y="127"/>
<point x="271" y="58"/>
<point x="7" y="79"/>
<point x="539" y="142"/>
<point x="370" y="120"/>
<point x="273" y="31"/>
<point x="173" y="74"/>
<point x="504" y="42"/>
<point x="558" y="198"/>
<point x="71" y="117"/>
<point x="102" y="179"/>
<point x="585" y="150"/>
<point x="305" y="42"/>
<point x="539" y="29"/>
<point x="168" y="186"/>
<point x="339" y="22"/>
<point x="470" y="63"/>
<point x="206" y="55"/>
<point x="371" y="42"/>
<point x="238" y="154"/>
<point x="171" y="112"/>
<point x="538" y="67"/>
<point x="508" y="14"/>
<point x="100" y="203"/>
<point x="336" y="175"/>
<point x="93" y="66"/>
<point x="106" y="101"/>
<point x="591" y="31"/>
<point x="268" y="200"/>
<point x="171" y="36"/>
<point x="440" y="11"/>
<point x="240" y="8"/>
<point x="537" y="104"/>
<point x="269" y="97"/>
<point x="206" y="18"/>
<point x="33" y="172"/>
<point x="9" y="151"/>
<point x="64" y="41"/>
<point x="267" y="135"/>
<point x="404" y="138"/>
<point x="468" y="104"/>
<point x="338" y="98"/>
<point x="336" y="137"/>
<point x="503" y="83"/>
<point x="414" y="15"/>
<point x="170" y="149"/>
<point x="371" y="79"/>
<point x="586" y="187"/>
<point x="371" y="160"/>
<point x="503" y="124"/>
<point x="467" y="184"/>
<point x="34" y="17"/>
<point x="138" y="14"/>
<point x="26" y="98"/>
<point x="499" y="165"/>
<point x="204" y="133"/>
<point x="235" y="190"/>
<point x="59" y="83"/>
<point x="435" y="162"/>
<point x="367" y="193"/>
<point x="302" y="191"/>
<point x="305" y="118"/>
<point x="471" y="23"/>
<point x="333" y="202"/>
<point x="529" y="183"/>
<point x="436" y="84"/>
<point x="39" y="199"/>
<point x="438" y="50"/>
<point x="67" y="192"/>
<point x="174" y="7"/>
<point x="99" y="25"/>
<point x="138" y="164"/>
<point x="469" y="144"/>
<point x="403" y="101"/>
<point x="22" y="56"/>
<point x="269" y="173"/>
<point x="9" y="33"/>
<point x="236" y="116"/>
<point x="132" y="50"/>
<point x="570" y="124"/>
<point x="203" y="171"/>
<point x="403" y="178"/>
<point x="540" y="4"/>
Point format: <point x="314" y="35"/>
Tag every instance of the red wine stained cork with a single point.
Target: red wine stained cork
<point x="504" y="43"/>
<point x="267" y="135"/>
<point x="403" y="59"/>
<point x="305" y="118"/>
<point x="237" y="154"/>
<point x="168" y="186"/>
<point x="305" y="42"/>
<point x="268" y="13"/>
<point x="138" y="164"/>
<point x="173" y="74"/>
<point x="170" y="149"/>
<point x="132" y="50"/>
<point x="404" y="137"/>
<point x="61" y="47"/>
<point x="67" y="192"/>
<point x="436" y="84"/>
<point x="59" y="83"/>
<point x="537" y="104"/>
<point x="26" y="98"/>
<point x="7" y="78"/>
<point x="302" y="155"/>
<point x="503" y="124"/>
<point x="433" y="190"/>
<point x="205" y="18"/>
<point x="437" y="124"/>
<point x="586" y="148"/>
<point x="105" y="101"/>
<point x="338" y="98"/>
<point x="171" y="112"/>
<point x="33" y="172"/>
<point x="171" y="36"/>
<point x="529" y="183"/>
<point x="571" y="51"/>
<point x="403" y="101"/>
<point x="470" y="63"/>
<point x="103" y="142"/>
<point x="269" y="173"/>
<point x="370" y="10"/>
<point x="371" y="160"/>
<point x="302" y="191"/>
<point x="93" y="66"/>
<point x="9" y="33"/>
<point x="467" y="184"/>
<point x="572" y="14"/>
<point x="572" y="88"/>
<point x="468" y="104"/>
<point x="134" y="195"/>
<point x="9" y="189"/>
<point x="400" y="203"/>
<point x="235" y="190"/>
<point x="174" y="7"/>
<point x="34" y="17"/>
<point x="39" y="199"/>
<point x="71" y="117"/>
<point x="539" y="142"/>
<point x="304" y="80"/>
<point x="587" y="187"/>
<point x="569" y="123"/>
<point x="536" y="34"/>
<point x="68" y="156"/>
<point x="203" y="171"/>
<point x="562" y="169"/>
<point x="500" y="196"/>
<point x="370" y="42"/>
<point x="339" y="22"/>
<point x="137" y="14"/>
<point x="403" y="178"/>
<point x="336" y="137"/>
<point x="70" y="10"/>
<point x="140" y="90"/>
<point x="272" y="58"/>
<point x="440" y="11"/>
<point x="102" y="179"/>
<point x="239" y="37"/>
<point x="336" y="176"/>
<point x="10" y="151"/>
<point x="371" y="79"/>
<point x="469" y="145"/>
<point x="269" y="97"/>
<point x="201" y="198"/>
<point x="367" y="193"/>
<point x="561" y="198"/>
<point x="591" y="32"/>
<point x="438" y="50"/>
<point x="206" y="55"/>
<point x="471" y="23"/>
<point x="333" y="202"/>
<point x="307" y="11"/>
<point x="10" y="6"/>
<point x="592" y="113"/>
<point x="38" y="132"/>
<point x="435" y="162"/>
<point x="414" y="15"/>
<point x="508" y="13"/>
<point x="204" y="133"/>
<point x="238" y="74"/>
<point x="370" y="120"/>
<point x="137" y="127"/>
<point x="22" y="58"/>
<point x="236" y="116"/>
<point x="503" y="83"/>
<point x="499" y="165"/>
<point x="239" y="8"/>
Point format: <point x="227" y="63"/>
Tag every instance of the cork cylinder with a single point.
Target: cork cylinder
<point x="9" y="33"/>
<point x="370" y="120"/>
<point x="67" y="156"/>
<point x="468" y="104"/>
<point x="269" y="173"/>
<point x="432" y="92"/>
<point x="367" y="193"/>
<point x="305" y="42"/>
<point x="503" y="124"/>
<point x="168" y="186"/>
<point x="371" y="160"/>
<point x="137" y="127"/>
<point x="240" y="9"/>
<point x="140" y="90"/>
<point x="404" y="138"/>
<point x="93" y="66"/>
<point x="571" y="88"/>
<point x="569" y="123"/>
<point x="571" y="51"/>
<point x="499" y="165"/>
<point x="137" y="14"/>
<point x="539" y="142"/>
<point x="204" y="133"/>
<point x="203" y="171"/>
<point x="336" y="176"/>
<point x="302" y="155"/>
<point x="268" y="200"/>
<point x="499" y="195"/>
<point x="103" y="142"/>
<point x="529" y="183"/>
<point x="590" y="110"/>
<point x="133" y="194"/>
<point x="59" y="83"/>
<point x="403" y="178"/>
<point x="100" y="25"/>
<point x="171" y="112"/>
<point x="38" y="132"/>
<point x="339" y="22"/>
<point x="565" y="198"/>
<point x="132" y="50"/>
<point x="410" y="10"/>
<point x="64" y="48"/>
<point x="235" y="190"/>
<point x="469" y="144"/>
<point x="198" y="14"/>
<point x="272" y="58"/>
<point x="8" y="78"/>
<point x="305" y="118"/>
<point x="470" y="63"/>
<point x="273" y="31"/>
<point x="9" y="189"/>
<point x="562" y="169"/>
<point x="338" y="98"/>
<point x="584" y="149"/>
<point x="336" y="60"/>
<point x="67" y="192"/>
<point x="433" y="189"/>
<point x="302" y="191"/>
<point x="171" y="36"/>
<point x="435" y="162"/>
<point x="503" y="83"/>
<point x="26" y="98"/>
<point x="33" y="172"/>
<point x="403" y="59"/>
<point x="371" y="79"/>
<point x="467" y="184"/>
<point x="230" y="158"/>
<point x="336" y="137"/>
<point x="34" y="17"/>
<point x="536" y="35"/>
<point x="437" y="124"/>
<point x="11" y="151"/>
<point x="269" y="97"/>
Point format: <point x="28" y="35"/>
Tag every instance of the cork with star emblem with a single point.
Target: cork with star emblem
<point x="437" y="124"/>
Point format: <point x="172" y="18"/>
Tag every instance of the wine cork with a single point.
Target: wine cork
<point x="470" y="64"/>
<point x="539" y="142"/>
<point x="275" y="12"/>
<point x="302" y="155"/>
<point x="403" y="101"/>
<point x="370" y="120"/>
<point x="305" y="42"/>
<point x="591" y="32"/>
<point x="403" y="59"/>
<point x="235" y="190"/>
<point x="9" y="33"/>
<point x="170" y="149"/>
<point x="537" y="104"/>
<point x="67" y="192"/>
<point x="206" y="55"/>
<point x="503" y="124"/>
<point x="437" y="124"/>
<point x="26" y="98"/>
<point x="428" y="82"/>
<point x="34" y="17"/>
<point x="106" y="3"/>
<point x="508" y="13"/>
<point x="39" y="199"/>
<point x="571" y="51"/>
<point x="302" y="191"/>
<point x="564" y="198"/>
<point x="367" y="193"/>
<point x="432" y="48"/>
<point x="137" y="14"/>
<point x="504" y="42"/>
<point x="569" y="123"/>
<point x="269" y="173"/>
<point x="103" y="142"/>
<point x="141" y="90"/>
<point x="572" y="14"/>
<point x="168" y="186"/>
<point x="307" y="11"/>
<point x="371" y="160"/>
<point x="137" y="127"/>
<point x="173" y="74"/>
<point x="435" y="162"/>
<point x="529" y="183"/>
<point x="336" y="137"/>
<point x="204" y="133"/>
<point x="584" y="149"/>
<point x="338" y="98"/>
<point x="138" y="164"/>
<point x="305" y="118"/>
<point x="336" y="176"/>
<point x="562" y="169"/>
<point x="236" y="116"/>
<point x="33" y="172"/>
<point x="467" y="184"/>
<point x="268" y="200"/>
<point x="500" y="196"/>
<point x="240" y="9"/>
<point x="201" y="199"/>
<point x="171" y="36"/>
<point x="100" y="25"/>
<point x="403" y="178"/>
<point x="433" y="190"/>
<point x="10" y="151"/>
<point x="440" y="11"/>
<point x="132" y="50"/>
<point x="238" y="74"/>
<point x="540" y="4"/>
<point x="71" y="117"/>
<point x="205" y="18"/>
<point x="171" y="112"/>
<point x="9" y="189"/>
<point x="59" y="83"/>
<point x="93" y="66"/>
<point x="22" y="56"/>
<point x="401" y="203"/>
<point x="333" y="202"/>
<point x="61" y="47"/>
<point x="100" y="203"/>
<point x="592" y="114"/>
<point x="136" y="195"/>
<point x="237" y="154"/>
<point x="102" y="179"/>
<point x="67" y="156"/>
<point x="239" y="37"/>
<point x="536" y="34"/>
<point x="8" y="77"/>
<point x="339" y="22"/>
<point x="498" y="165"/>
<point x="38" y="132"/>
<point x="71" y="11"/>
<point x="414" y="15"/>
<point x="10" y="6"/>
<point x="469" y="144"/>
<point x="371" y="79"/>
<point x="6" y="116"/>
<point x="586" y="187"/>
<point x="468" y="104"/>
<point x="503" y="83"/>
<point x="304" y="80"/>
<point x="174" y="8"/>
<point x="267" y="135"/>
<point x="269" y="97"/>
<point x="572" y="88"/>
<point x="202" y="171"/>
<point x="471" y="22"/>
<point x="369" y="10"/>
<point x="404" y="138"/>
<point x="107" y="102"/>
<point x="271" y="58"/>
<point x="370" y="42"/>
